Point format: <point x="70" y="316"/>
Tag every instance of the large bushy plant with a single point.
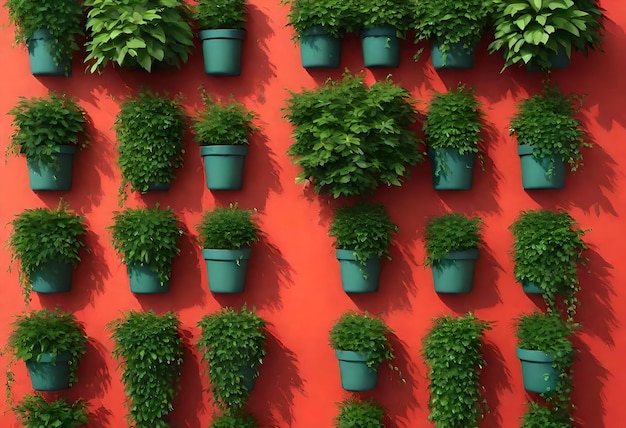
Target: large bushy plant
<point x="221" y="14"/>
<point x="335" y="17"/>
<point x="540" y="416"/>
<point x="35" y="412"/>
<point x="227" y="228"/>
<point x="355" y="413"/>
<point x="381" y="13"/>
<point x="450" y="232"/>
<point x="236" y="420"/>
<point x="223" y="123"/>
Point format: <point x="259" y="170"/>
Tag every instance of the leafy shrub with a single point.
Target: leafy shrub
<point x="234" y="421"/>
<point x="377" y="13"/>
<point x="334" y="16"/>
<point x="450" y="232"/>
<point x="538" y="416"/>
<point x="35" y="412"/>
<point x="227" y="228"/>
<point x="359" y="413"/>
<point x="218" y="14"/>
<point x="217" y="124"/>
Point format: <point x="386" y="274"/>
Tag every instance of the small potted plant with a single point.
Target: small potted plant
<point x="545" y="351"/>
<point x="223" y="132"/>
<point x="236" y="420"/>
<point x="452" y="242"/>
<point x="49" y="30"/>
<point x="150" y="353"/>
<point x="361" y="344"/>
<point x="363" y="233"/>
<point x="340" y="152"/>
<point x="543" y="147"/>
<point x="147" y="240"/>
<point x="150" y="131"/>
<point x="452" y="128"/>
<point x="452" y="350"/>
<point x="138" y="34"/>
<point x="542" y="35"/>
<point x="35" y="412"/>
<point x="46" y="243"/>
<point x="226" y="235"/>
<point x="359" y="413"/>
<point x="233" y="345"/>
<point x="51" y="343"/>
<point x="222" y="25"/>
<point x="453" y="28"/>
<point x="320" y="26"/>
<point x="540" y="416"/>
<point x="49" y="131"/>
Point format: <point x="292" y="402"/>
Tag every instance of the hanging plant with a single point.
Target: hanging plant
<point x="355" y="413"/>
<point x="540" y="416"/>
<point x="35" y="412"/>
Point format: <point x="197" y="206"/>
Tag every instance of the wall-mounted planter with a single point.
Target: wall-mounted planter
<point x="46" y="375"/>
<point x="222" y="50"/>
<point x="158" y="187"/>
<point x="144" y="280"/>
<point x="41" y="61"/>
<point x="223" y="166"/>
<point x="455" y="272"/>
<point x="226" y="269"/>
<point x="537" y="371"/>
<point x="52" y="277"/>
<point x="355" y="374"/>
<point x="530" y="288"/>
<point x="558" y="61"/>
<point x="248" y="377"/>
<point x="355" y="277"/>
<point x="319" y="50"/>
<point x="535" y="171"/>
<point x="458" y="173"/>
<point x="381" y="47"/>
<point x="54" y="177"/>
<point x="457" y="56"/>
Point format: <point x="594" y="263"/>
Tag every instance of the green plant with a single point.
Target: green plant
<point x="147" y="237"/>
<point x="534" y="31"/>
<point x="228" y="228"/>
<point x="150" y="130"/>
<point x="548" y="248"/>
<point x="454" y="121"/>
<point x="150" y="352"/>
<point x="218" y="14"/>
<point x="538" y="416"/>
<point x="44" y="123"/>
<point x="359" y="414"/>
<point x="452" y="350"/>
<point x="228" y="123"/>
<point x="62" y="18"/>
<point x="43" y="235"/>
<point x="138" y="33"/>
<point x="450" y="232"/>
<point x="35" y="412"/>
<point x="378" y="13"/>
<point x="234" y="421"/>
<point x="232" y="343"/>
<point x="333" y="16"/>
<point x="363" y="228"/>
<point x="349" y="138"/>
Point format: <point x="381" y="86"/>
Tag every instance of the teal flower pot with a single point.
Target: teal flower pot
<point x="41" y="61"/>
<point x="319" y="50"/>
<point x="226" y="269"/>
<point x="223" y="166"/>
<point x="49" y="374"/>
<point x="558" y="61"/>
<point x="52" y="277"/>
<point x="248" y="377"/>
<point x="455" y="272"/>
<point x="54" y="177"/>
<point x="158" y="187"/>
<point x="530" y="288"/>
<point x="535" y="171"/>
<point x="457" y="56"/>
<point x="457" y="172"/>
<point x="381" y="47"/>
<point x="356" y="278"/>
<point x="537" y="371"/>
<point x="355" y="374"/>
<point x="144" y="280"/>
<point x="222" y="51"/>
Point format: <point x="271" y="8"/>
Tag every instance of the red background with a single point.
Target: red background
<point x="293" y="278"/>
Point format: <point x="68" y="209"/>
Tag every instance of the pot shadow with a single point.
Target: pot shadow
<point x="93" y="374"/>
<point x="496" y="375"/>
<point x="588" y="394"/>
<point x="188" y="404"/>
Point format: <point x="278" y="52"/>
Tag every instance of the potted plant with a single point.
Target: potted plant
<point x="363" y="233"/>
<point x="150" y="353"/>
<point x="359" y="413"/>
<point x="49" y="30"/>
<point x="545" y="351"/>
<point x="453" y="28"/>
<point x="138" y="34"/>
<point x="452" y="350"/>
<point x="548" y="249"/>
<point x="542" y="34"/>
<point x="48" y="131"/>
<point x="452" y="242"/>
<point x="319" y="26"/>
<point x="452" y="128"/>
<point x="539" y="416"/>
<point x="46" y="243"/>
<point x="150" y="130"/>
<point x="543" y="147"/>
<point x="226" y="235"/>
<point x="147" y="240"/>
<point x="361" y="344"/>
<point x="223" y="131"/>
<point x="222" y="33"/>
<point x="35" y="412"/>
<point x="341" y="152"/>
<point x="51" y="343"/>
<point x="233" y="345"/>
<point x="234" y="421"/>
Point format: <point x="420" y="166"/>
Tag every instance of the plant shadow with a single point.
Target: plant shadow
<point x="590" y="377"/>
<point x="93" y="375"/>
<point x="188" y="404"/>
<point x="497" y="376"/>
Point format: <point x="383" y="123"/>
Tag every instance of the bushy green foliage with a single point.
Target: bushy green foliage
<point x="232" y="341"/>
<point x="35" y="412"/>
<point x="227" y="228"/>
<point x="150" y="353"/>
<point x="538" y="416"/>
<point x="359" y="414"/>
<point x="234" y="421"/>
<point x="349" y="138"/>
<point x="223" y="123"/>
<point x="450" y="232"/>
<point x="452" y="350"/>
<point x="219" y="14"/>
<point x="334" y="16"/>
<point x="378" y="13"/>
<point x="147" y="237"/>
<point x="138" y="33"/>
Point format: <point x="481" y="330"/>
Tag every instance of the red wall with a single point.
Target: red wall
<point x="294" y="277"/>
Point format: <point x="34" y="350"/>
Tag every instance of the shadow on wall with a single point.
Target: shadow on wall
<point x="497" y="376"/>
<point x="188" y="404"/>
